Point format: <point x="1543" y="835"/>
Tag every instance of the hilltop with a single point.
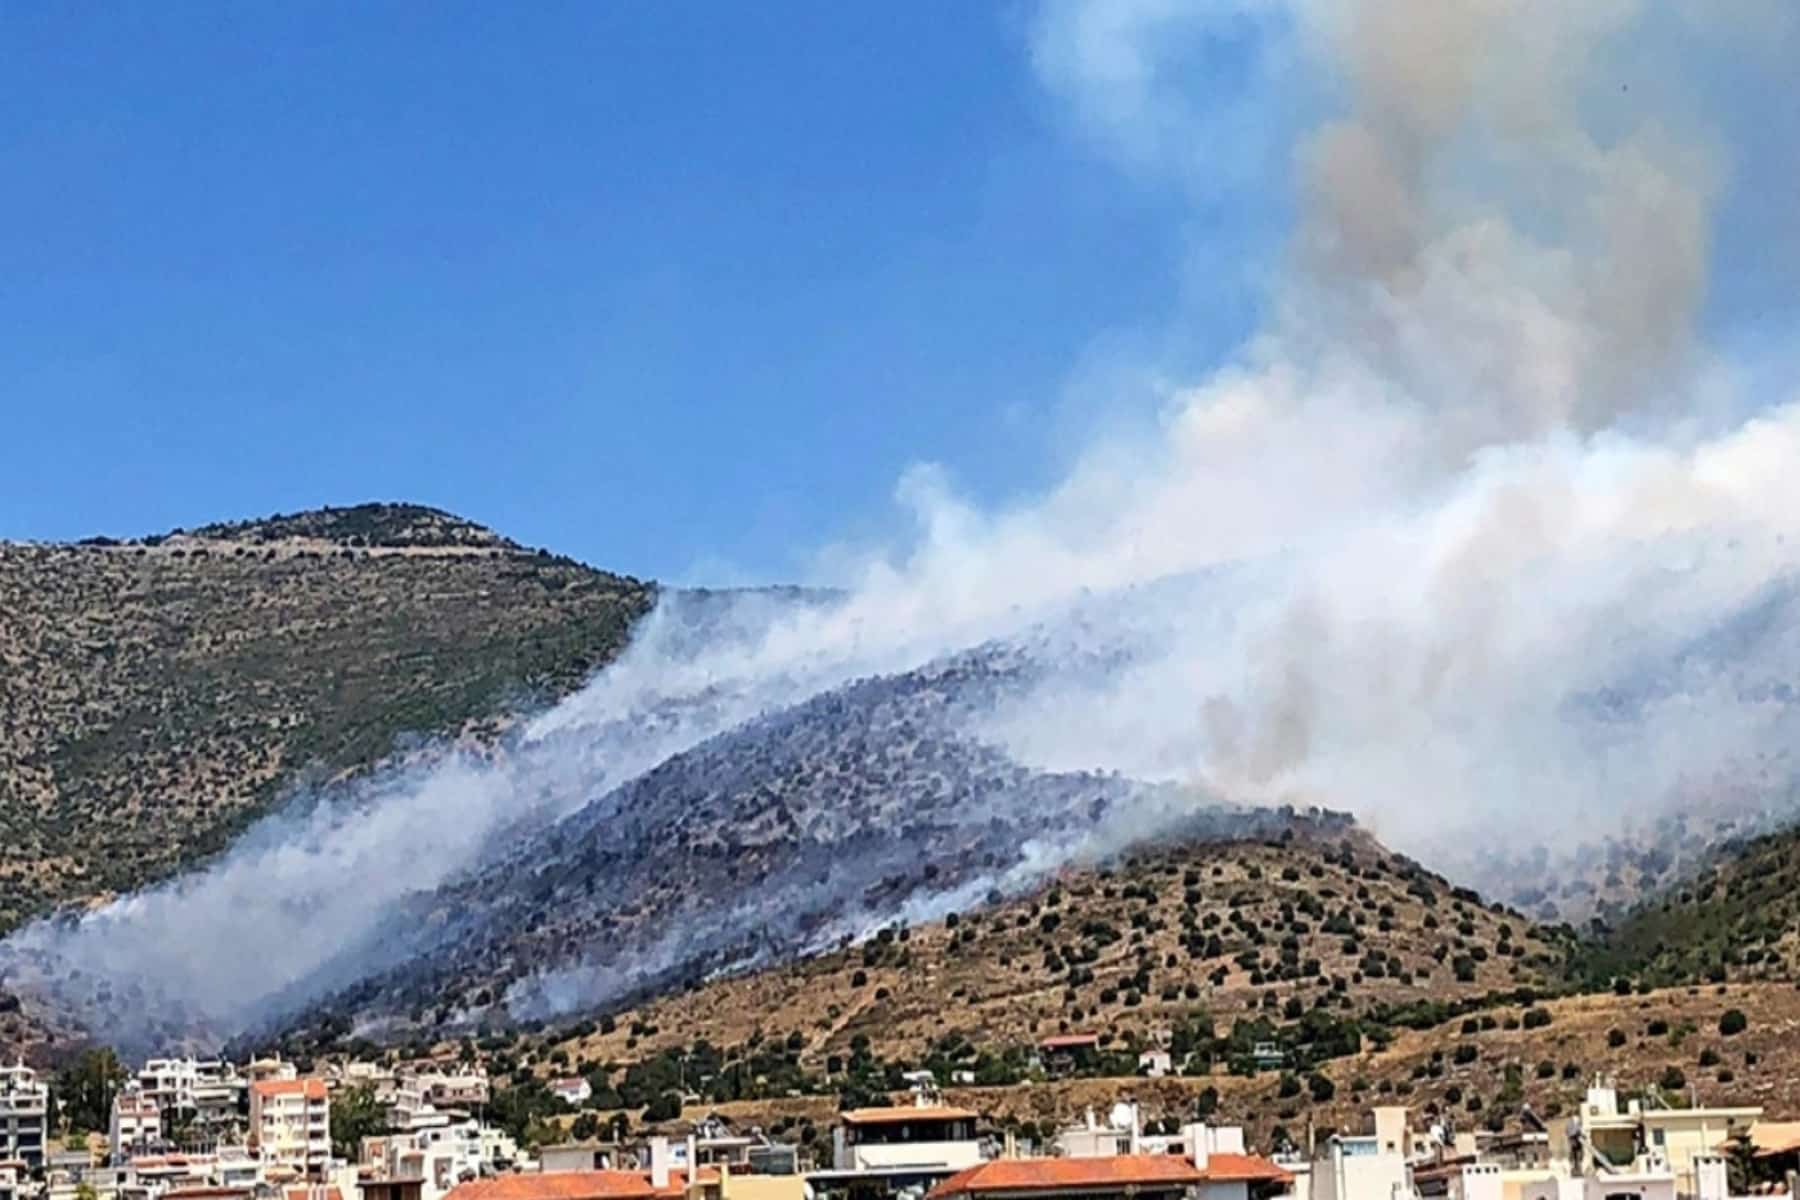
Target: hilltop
<point x="158" y="694"/>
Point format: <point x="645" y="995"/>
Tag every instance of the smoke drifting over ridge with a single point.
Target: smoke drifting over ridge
<point x="1471" y="538"/>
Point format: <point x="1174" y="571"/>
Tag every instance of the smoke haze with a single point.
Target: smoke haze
<point x="1489" y="528"/>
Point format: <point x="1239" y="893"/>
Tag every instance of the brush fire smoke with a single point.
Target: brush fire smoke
<point x="1490" y="528"/>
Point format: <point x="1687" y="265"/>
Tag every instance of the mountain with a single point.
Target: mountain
<point x="158" y="694"/>
<point x="379" y="740"/>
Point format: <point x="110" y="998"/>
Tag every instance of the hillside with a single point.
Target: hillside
<point x="1443" y="1003"/>
<point x="1239" y="928"/>
<point x="156" y="695"/>
<point x="1485" y="1078"/>
<point x="1738" y="917"/>
<point x="789" y="830"/>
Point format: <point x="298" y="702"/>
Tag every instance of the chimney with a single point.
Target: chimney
<point x="1558" y="1134"/>
<point x="1199" y="1144"/>
<point x="1390" y="1129"/>
<point x="1710" y="1180"/>
<point x="659" y="1162"/>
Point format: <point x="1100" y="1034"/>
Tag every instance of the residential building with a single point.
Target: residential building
<point x="157" y="1174"/>
<point x="410" y="1109"/>
<point x="1364" y="1167"/>
<point x="462" y="1089"/>
<point x="1619" y="1137"/>
<point x="392" y="1189"/>
<point x="136" y="1126"/>
<point x="263" y="1070"/>
<point x="13" y="1176"/>
<point x="24" y="1116"/>
<point x="590" y="1185"/>
<point x="1069" y="1052"/>
<point x="206" y="1095"/>
<point x="290" y="1126"/>
<point x="1123" y="1133"/>
<point x="208" y="1193"/>
<point x="439" y="1157"/>
<point x="1646" y="1184"/>
<point x="662" y="1181"/>
<point x="236" y="1166"/>
<point x="573" y="1091"/>
<point x="878" y="1152"/>
<point x="919" y="1137"/>
<point x="498" y="1149"/>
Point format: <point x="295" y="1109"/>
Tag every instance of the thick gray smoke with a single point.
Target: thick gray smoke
<point x="1488" y="536"/>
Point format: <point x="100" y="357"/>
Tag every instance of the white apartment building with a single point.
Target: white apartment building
<point x="1366" y="1167"/>
<point x="1620" y="1137"/>
<point x="290" y="1126"/>
<point x="441" y="1157"/>
<point x="24" y="1116"/>
<point x="136" y="1126"/>
<point x="919" y="1137"/>
<point x="205" y="1093"/>
<point x="411" y="1110"/>
<point x="464" y="1089"/>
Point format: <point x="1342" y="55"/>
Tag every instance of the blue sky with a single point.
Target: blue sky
<point x="679" y="288"/>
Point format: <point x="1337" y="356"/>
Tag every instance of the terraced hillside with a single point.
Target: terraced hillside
<point x="156" y="695"/>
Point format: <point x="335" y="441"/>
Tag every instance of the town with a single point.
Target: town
<point x="430" y="1129"/>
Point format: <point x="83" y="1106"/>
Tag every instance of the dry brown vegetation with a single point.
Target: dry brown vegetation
<point x="1239" y="929"/>
<point x="984" y="976"/>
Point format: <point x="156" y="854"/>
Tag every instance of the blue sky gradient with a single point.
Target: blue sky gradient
<point x="680" y="289"/>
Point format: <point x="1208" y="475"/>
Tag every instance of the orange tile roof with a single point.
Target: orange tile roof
<point x="905" y="1112"/>
<point x="312" y="1089"/>
<point x="313" y="1193"/>
<point x="574" y="1185"/>
<point x="150" y="1161"/>
<point x="1107" y="1173"/>
<point x="1772" y="1138"/>
<point x="1246" y="1168"/>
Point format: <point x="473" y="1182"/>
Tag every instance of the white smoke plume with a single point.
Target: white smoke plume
<point x="1468" y="539"/>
